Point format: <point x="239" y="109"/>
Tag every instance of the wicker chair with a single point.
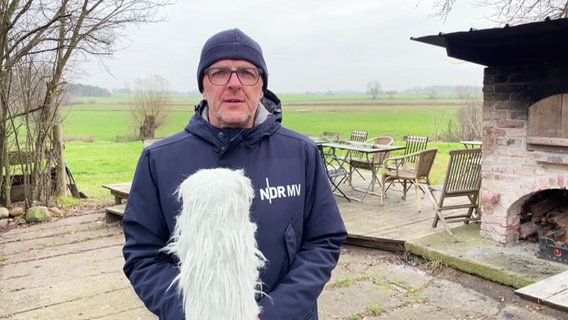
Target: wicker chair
<point x="398" y="170"/>
<point x="412" y="145"/>
<point x="375" y="162"/>
<point x="330" y="136"/>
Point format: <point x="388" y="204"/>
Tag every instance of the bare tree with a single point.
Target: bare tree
<point x="469" y="125"/>
<point x="152" y="104"/>
<point x="374" y="89"/>
<point x="39" y="42"/>
<point x="470" y="116"/>
<point x="514" y="11"/>
<point x="28" y="90"/>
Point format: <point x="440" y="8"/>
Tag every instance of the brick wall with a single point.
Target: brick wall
<point x="511" y="174"/>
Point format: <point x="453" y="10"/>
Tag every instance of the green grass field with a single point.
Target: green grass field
<point x="101" y="144"/>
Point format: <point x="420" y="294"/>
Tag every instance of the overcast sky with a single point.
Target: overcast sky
<point x="309" y="45"/>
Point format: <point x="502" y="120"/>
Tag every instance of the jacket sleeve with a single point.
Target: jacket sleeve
<point x="146" y="231"/>
<point x="323" y="233"/>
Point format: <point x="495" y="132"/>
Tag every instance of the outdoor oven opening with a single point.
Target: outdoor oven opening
<point x="545" y="214"/>
<point x="544" y="217"/>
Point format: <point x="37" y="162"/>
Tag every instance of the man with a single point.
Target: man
<point x="237" y="126"/>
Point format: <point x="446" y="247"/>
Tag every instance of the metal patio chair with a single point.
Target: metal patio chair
<point x="376" y="161"/>
<point x="463" y="181"/>
<point x="359" y="136"/>
<point x="335" y="169"/>
<point x="356" y="136"/>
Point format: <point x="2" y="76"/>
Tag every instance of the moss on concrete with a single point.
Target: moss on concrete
<point x="481" y="270"/>
<point x="468" y="252"/>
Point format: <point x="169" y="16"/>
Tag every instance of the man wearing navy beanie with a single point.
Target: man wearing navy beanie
<point x="237" y="125"/>
<point x="232" y="64"/>
<point x="231" y="44"/>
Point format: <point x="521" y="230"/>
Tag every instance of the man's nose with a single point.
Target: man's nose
<point x="234" y="80"/>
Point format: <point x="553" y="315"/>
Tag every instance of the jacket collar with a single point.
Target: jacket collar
<point x="269" y="102"/>
<point x="267" y="121"/>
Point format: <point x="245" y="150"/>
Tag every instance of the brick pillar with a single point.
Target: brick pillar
<point x="511" y="172"/>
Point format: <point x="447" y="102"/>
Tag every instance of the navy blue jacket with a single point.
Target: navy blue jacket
<point x="300" y="229"/>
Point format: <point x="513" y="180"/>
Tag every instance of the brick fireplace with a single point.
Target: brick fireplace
<point x="517" y="165"/>
<point x="525" y="115"/>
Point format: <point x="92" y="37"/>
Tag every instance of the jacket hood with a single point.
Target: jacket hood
<point x="272" y="103"/>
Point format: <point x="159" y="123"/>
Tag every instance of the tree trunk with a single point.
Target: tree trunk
<point x="148" y="128"/>
<point x="60" y="174"/>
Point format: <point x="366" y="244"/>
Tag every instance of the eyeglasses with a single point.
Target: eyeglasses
<point x="221" y="76"/>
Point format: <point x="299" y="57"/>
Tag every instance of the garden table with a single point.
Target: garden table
<point x="366" y="150"/>
<point x="471" y="144"/>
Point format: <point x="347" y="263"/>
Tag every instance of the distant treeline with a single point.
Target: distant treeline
<point x="459" y="89"/>
<point x="82" y="90"/>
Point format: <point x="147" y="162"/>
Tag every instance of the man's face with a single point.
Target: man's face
<point x="232" y="105"/>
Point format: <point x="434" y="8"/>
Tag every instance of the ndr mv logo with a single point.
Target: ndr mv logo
<point x="277" y="192"/>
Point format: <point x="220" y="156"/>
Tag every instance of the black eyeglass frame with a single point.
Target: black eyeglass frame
<point x="231" y="71"/>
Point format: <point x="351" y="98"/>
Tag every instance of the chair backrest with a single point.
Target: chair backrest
<point x="379" y="157"/>
<point x="415" y="144"/>
<point x="382" y="140"/>
<point x="464" y="172"/>
<point x="424" y="162"/>
<point x="359" y="136"/>
<point x="331" y="136"/>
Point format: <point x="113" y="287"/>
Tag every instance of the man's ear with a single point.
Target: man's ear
<point x="204" y="95"/>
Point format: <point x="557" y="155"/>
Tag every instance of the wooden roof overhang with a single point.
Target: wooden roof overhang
<point x="536" y="42"/>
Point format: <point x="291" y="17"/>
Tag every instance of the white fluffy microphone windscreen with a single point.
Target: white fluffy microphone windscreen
<point x="214" y="239"/>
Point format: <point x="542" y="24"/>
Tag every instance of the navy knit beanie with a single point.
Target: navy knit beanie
<point x="231" y="44"/>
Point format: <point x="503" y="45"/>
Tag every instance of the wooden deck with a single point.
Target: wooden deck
<point x="368" y="223"/>
<point x="386" y="227"/>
